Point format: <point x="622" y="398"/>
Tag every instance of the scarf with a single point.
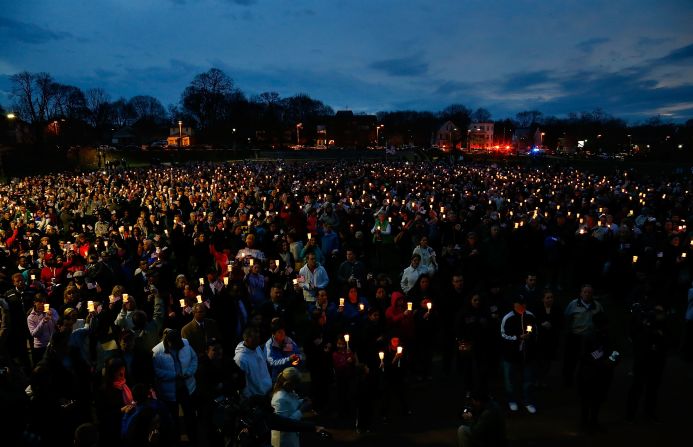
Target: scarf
<point x="127" y="394"/>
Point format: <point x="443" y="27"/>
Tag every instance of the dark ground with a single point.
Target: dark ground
<point x="437" y="404"/>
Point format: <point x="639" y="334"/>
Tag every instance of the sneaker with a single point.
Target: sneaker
<point x="513" y="406"/>
<point x="531" y="409"/>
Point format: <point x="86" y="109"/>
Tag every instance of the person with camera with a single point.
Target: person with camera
<point x="483" y="423"/>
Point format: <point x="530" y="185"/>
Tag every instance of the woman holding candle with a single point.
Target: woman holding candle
<point x="344" y="363"/>
<point x="394" y="372"/>
<point x="42" y="324"/>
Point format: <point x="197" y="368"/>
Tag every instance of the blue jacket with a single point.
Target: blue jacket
<point x="278" y="356"/>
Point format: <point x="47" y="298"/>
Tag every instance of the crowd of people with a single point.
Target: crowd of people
<point x="132" y="296"/>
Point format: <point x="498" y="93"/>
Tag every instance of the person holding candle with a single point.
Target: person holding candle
<point x="519" y="353"/>
<point x="425" y="322"/>
<point x="315" y="278"/>
<point x="399" y="320"/>
<point x="344" y="362"/>
<point x="200" y="329"/>
<point x="394" y="374"/>
<point x="282" y="351"/>
<point x="42" y="324"/>
<point x="256" y="283"/>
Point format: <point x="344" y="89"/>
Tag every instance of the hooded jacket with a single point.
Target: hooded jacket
<point x="254" y="364"/>
<point x="397" y="321"/>
<point x="513" y="325"/>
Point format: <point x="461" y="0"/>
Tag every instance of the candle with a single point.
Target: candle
<point x="251" y="262"/>
<point x="226" y="280"/>
<point x="90" y="306"/>
<point x="46" y="308"/>
<point x="429" y="305"/>
<point x="182" y="303"/>
<point x="635" y="259"/>
<point x="410" y="305"/>
<point x="33" y="277"/>
<point x="199" y="298"/>
<point x="295" y="281"/>
<point x="229" y="267"/>
<point x="111" y="299"/>
<point x="683" y="255"/>
<point x="346" y="338"/>
<point x="399" y="349"/>
<point x="105" y="243"/>
<point x="381" y="355"/>
<point x="202" y="281"/>
<point x="126" y="298"/>
<point x="276" y="262"/>
<point x="529" y="329"/>
<point x="309" y="236"/>
<point x="341" y="302"/>
<point x="361" y="306"/>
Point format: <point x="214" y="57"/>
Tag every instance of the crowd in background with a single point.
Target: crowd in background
<point x="133" y="296"/>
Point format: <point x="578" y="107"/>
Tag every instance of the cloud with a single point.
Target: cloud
<point x="680" y="55"/>
<point x="589" y="45"/>
<point x="406" y="66"/>
<point x="525" y="80"/>
<point x="13" y="30"/>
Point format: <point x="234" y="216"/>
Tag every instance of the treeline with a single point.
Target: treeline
<point x="222" y="114"/>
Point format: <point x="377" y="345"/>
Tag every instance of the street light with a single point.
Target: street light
<point x="180" y="133"/>
<point x="452" y="138"/>
<point x="542" y="138"/>
<point x="469" y="143"/>
<point x="11" y="116"/>
<point x="377" y="134"/>
<point x="299" y="126"/>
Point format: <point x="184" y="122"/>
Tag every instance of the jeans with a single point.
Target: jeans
<point x="510" y="373"/>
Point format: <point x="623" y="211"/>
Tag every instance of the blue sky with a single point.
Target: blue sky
<point x="634" y="59"/>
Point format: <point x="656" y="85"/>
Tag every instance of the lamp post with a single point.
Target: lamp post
<point x="299" y="126"/>
<point x="469" y="142"/>
<point x="542" y="138"/>
<point x="377" y="134"/>
<point x="180" y="133"/>
<point x="452" y="138"/>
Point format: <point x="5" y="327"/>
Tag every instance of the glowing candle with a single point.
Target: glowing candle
<point x="635" y="259"/>
<point x="90" y="306"/>
<point x="226" y="280"/>
<point x="399" y="349"/>
<point x="361" y="306"/>
<point x="199" y="298"/>
<point x="381" y="355"/>
<point x="529" y="329"/>
<point x="126" y="298"/>
<point x="46" y="308"/>
<point x="410" y="305"/>
<point x="182" y="303"/>
<point x="429" y="305"/>
<point x="341" y="302"/>
<point x="202" y="281"/>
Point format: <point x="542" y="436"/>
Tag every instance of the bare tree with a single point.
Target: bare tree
<point x="32" y="94"/>
<point x="98" y="105"/>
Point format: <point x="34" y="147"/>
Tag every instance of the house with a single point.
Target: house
<point x="124" y="137"/>
<point x="447" y="136"/>
<point x="480" y="136"/>
<point x="175" y="138"/>
<point x="523" y="139"/>
<point x="352" y="131"/>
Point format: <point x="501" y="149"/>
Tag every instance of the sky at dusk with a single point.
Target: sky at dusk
<point x="633" y="59"/>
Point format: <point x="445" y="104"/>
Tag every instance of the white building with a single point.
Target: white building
<point x="480" y="136"/>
